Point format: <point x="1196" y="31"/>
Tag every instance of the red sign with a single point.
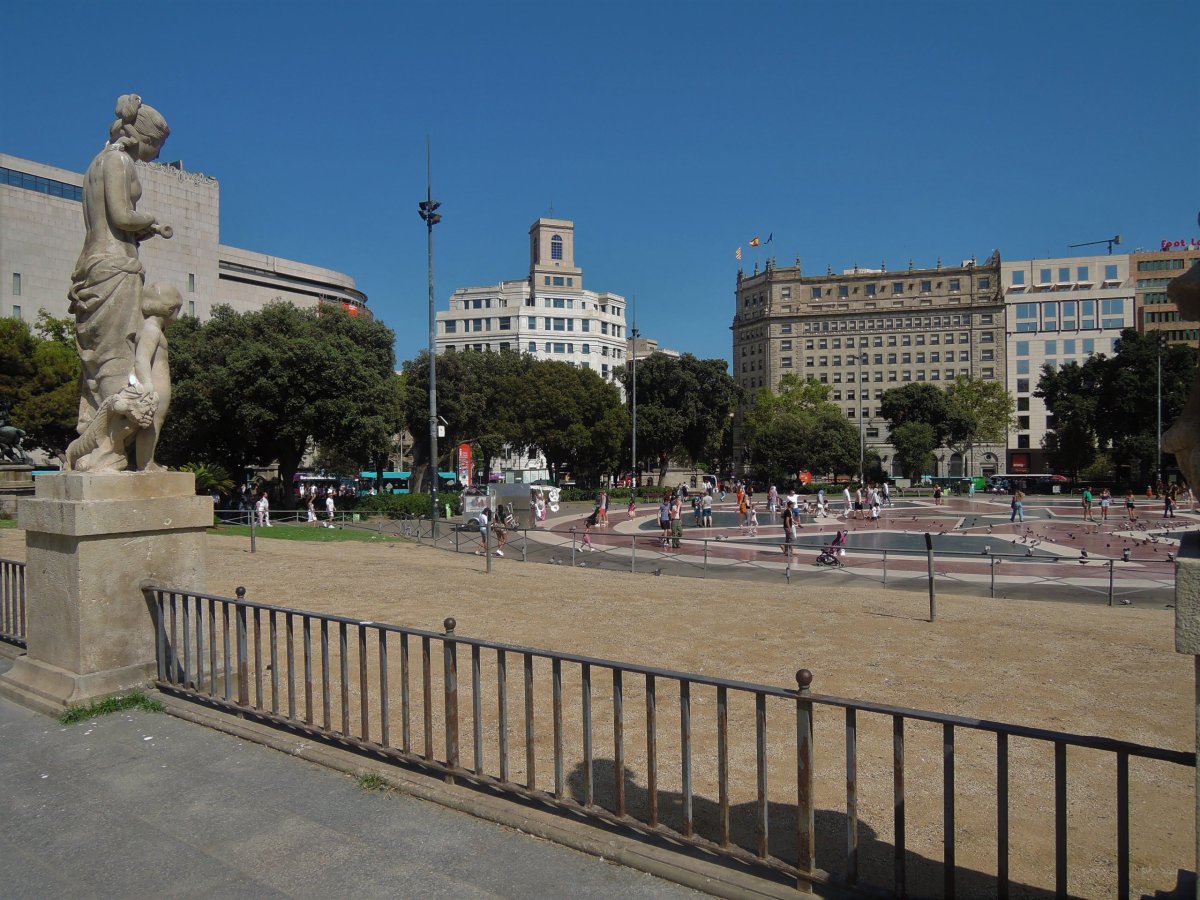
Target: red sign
<point x="350" y="308"/>
<point x="1019" y="462"/>
<point x="464" y="463"/>
<point x="1189" y="244"/>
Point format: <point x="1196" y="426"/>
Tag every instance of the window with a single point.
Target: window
<point x="1081" y="273"/>
<point x="1022" y="367"/>
<point x="989" y="372"/>
<point x="1023" y="422"/>
<point x="987" y="337"/>
<point x="1112" y="313"/>
<point x="604" y="328"/>
<point x="532" y="347"/>
<point x="892" y="359"/>
<point x="954" y="284"/>
<point x="1022" y="348"/>
<point x="926" y="287"/>
<point x="1089" y="346"/>
<point x="987" y="355"/>
<point x="897" y="287"/>
<point x="905" y="340"/>
<point x="1018" y="278"/>
<point x="192" y="308"/>
<point x="16" y="312"/>
<point x="191" y="282"/>
<point x="556" y="247"/>
<point x="985" y="283"/>
<point x="505" y="323"/>
<point x="1064" y="274"/>
<point x="816" y="293"/>
<point x="785" y="329"/>
<point x="1068" y="348"/>
<point x="870" y="290"/>
<point x="785" y="362"/>
<point x="1022" y="385"/>
<point x="16" y="287"/>
<point x="1110" y="273"/>
<point x="843" y="290"/>
<point x="451" y="327"/>
<point x="785" y="345"/>
<point x="878" y="359"/>
<point x="964" y="356"/>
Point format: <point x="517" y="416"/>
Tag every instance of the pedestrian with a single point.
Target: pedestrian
<point x="753" y="521"/>
<point x="937" y="495"/>
<point x="697" y="514"/>
<point x="887" y="494"/>
<point x="484" y="519"/>
<point x="1130" y="506"/>
<point x="676" y="517"/>
<point x="312" y="510"/>
<point x="858" y="502"/>
<point x="743" y="511"/>
<point x="1018" y="507"/>
<point x="262" y="511"/>
<point x="1087" y="503"/>
<point x="772" y="499"/>
<point x="821" y="502"/>
<point x="706" y="510"/>
<point x="537" y="507"/>
<point x="587" y="531"/>
<point x="1105" y="503"/>
<point x="846" y="499"/>
<point x="500" y="527"/>
<point x="789" y="530"/>
<point x="329" y="508"/>
<point x="875" y="514"/>
<point x="1169" y="503"/>
<point x="664" y="518"/>
<point x="632" y="506"/>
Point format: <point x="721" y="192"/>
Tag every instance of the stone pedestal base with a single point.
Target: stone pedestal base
<point x="93" y="541"/>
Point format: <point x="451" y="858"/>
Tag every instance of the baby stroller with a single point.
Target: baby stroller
<point x="832" y="555"/>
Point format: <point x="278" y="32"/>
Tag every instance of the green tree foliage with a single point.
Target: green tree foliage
<point x="981" y="412"/>
<point x="210" y="477"/>
<point x="1116" y="398"/>
<point x="921" y="402"/>
<point x="39" y="380"/>
<point x="493" y="400"/>
<point x="683" y="407"/>
<point x="797" y="429"/>
<point x="259" y="387"/>
<point x="915" y="442"/>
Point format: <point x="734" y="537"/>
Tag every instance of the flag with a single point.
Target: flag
<point x="738" y="255"/>
<point x="769" y="237"/>
<point x="754" y="242"/>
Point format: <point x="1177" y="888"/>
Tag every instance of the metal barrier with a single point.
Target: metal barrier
<point x="992" y="574"/>
<point x="725" y="766"/>
<point x="12" y="602"/>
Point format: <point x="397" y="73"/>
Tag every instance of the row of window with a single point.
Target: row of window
<point x="897" y="289"/>
<point x="1046" y="279"/>
<point x="1069" y="315"/>
<point x="41" y="185"/>
<point x="505" y="323"/>
<point x="1150" y="265"/>
<point x="1070" y="347"/>
<point x="988" y="372"/>
<point x="558" y="281"/>
<point x="904" y="340"/>
<point x="906" y="322"/>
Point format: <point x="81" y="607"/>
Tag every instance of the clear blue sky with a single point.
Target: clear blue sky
<point x="670" y="132"/>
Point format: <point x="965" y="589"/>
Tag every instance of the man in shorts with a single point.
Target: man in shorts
<point x="1087" y="504"/>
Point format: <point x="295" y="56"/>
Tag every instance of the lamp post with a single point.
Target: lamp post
<point x="1158" y="431"/>
<point x="428" y="213"/>
<point x="633" y="332"/>
<point x="862" y="438"/>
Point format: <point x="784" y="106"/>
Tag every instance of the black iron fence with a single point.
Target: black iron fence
<point x="12" y="602"/>
<point x="788" y="782"/>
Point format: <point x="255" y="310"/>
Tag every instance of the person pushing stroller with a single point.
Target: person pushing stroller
<point x="831" y="555"/>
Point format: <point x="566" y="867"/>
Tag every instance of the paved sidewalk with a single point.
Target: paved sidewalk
<point x="147" y="805"/>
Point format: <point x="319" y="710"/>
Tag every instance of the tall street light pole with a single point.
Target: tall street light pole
<point x="633" y="333"/>
<point x="431" y="217"/>
<point x="862" y="440"/>
<point x="1158" y="457"/>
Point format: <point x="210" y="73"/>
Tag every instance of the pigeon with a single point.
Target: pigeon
<point x="1029" y="552"/>
<point x="1083" y="554"/>
<point x="1170" y="556"/>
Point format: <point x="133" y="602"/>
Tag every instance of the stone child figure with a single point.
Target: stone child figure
<point x="106" y="285"/>
<point x="160" y="306"/>
<point x="1183" y="438"/>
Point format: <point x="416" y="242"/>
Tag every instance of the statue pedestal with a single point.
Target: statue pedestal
<point x="92" y="541"/>
<point x="1187" y="633"/>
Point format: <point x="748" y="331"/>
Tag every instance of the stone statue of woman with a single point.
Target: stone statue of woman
<point x="1183" y="438"/>
<point x="106" y="286"/>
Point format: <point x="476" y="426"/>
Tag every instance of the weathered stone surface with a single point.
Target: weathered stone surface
<point x="89" y="628"/>
<point x="1187" y="596"/>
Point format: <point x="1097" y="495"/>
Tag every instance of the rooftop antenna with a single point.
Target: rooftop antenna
<point x="1115" y="239"/>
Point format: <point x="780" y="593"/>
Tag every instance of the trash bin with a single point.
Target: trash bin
<point x="354" y="517"/>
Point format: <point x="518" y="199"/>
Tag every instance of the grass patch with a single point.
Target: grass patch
<point x="372" y="782"/>
<point x="310" y="533"/>
<point x="6" y="522"/>
<point x="135" y="700"/>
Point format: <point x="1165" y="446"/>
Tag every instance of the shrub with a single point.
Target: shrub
<point x="397" y="506"/>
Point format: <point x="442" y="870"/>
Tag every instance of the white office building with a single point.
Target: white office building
<point x="548" y="313"/>
<point x="1057" y="311"/>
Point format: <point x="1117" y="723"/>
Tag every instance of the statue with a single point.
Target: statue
<point x="10" y="439"/>
<point x="1183" y="438"/>
<point x="107" y="296"/>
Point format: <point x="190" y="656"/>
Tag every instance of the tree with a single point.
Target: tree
<point x="798" y="428"/>
<point x="683" y="406"/>
<point x="261" y="386"/>
<point x="981" y="412"/>
<point x="39" y="380"/>
<point x="1071" y="394"/>
<point x="915" y="442"/>
<point x="921" y="402"/>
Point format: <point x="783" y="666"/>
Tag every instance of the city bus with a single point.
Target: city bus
<point x="1030" y="484"/>
<point x="398" y="482"/>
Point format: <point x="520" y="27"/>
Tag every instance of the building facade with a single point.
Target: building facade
<point x="866" y="331"/>
<point x="548" y="314"/>
<point x="1152" y="270"/>
<point x="1058" y="311"/>
<point x="42" y="232"/>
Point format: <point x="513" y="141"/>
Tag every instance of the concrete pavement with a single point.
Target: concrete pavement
<point x="147" y="805"/>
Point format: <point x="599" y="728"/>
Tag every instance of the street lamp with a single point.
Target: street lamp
<point x="633" y="333"/>
<point x="1160" y="340"/>
<point x="862" y="439"/>
<point x="428" y="213"/>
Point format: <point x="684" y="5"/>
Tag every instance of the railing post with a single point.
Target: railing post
<point x="885" y="567"/>
<point x="932" y="596"/>
<point x="805" y="813"/>
<point x="633" y="555"/>
<point x="992" y="566"/>
<point x="456" y="533"/>
<point x="243" y="664"/>
<point x="1110" y="581"/>
<point x="572" y="546"/>
<point x="450" y="686"/>
<point x="705" y="575"/>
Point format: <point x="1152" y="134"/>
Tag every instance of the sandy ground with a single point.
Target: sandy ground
<point x="1066" y="666"/>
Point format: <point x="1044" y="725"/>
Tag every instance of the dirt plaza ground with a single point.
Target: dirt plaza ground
<point x="1055" y="665"/>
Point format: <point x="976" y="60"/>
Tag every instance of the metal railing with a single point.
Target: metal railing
<point x="726" y="767"/>
<point x="992" y="573"/>
<point x="12" y="602"/>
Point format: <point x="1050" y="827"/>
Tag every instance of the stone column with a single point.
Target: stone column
<point x="92" y="541"/>
<point x="1187" y="637"/>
